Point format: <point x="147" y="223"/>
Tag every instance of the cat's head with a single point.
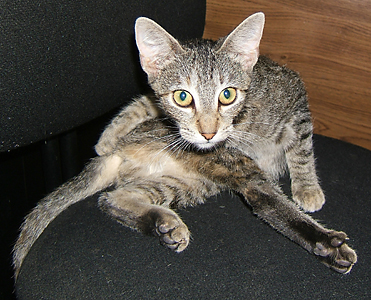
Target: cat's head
<point x="202" y="84"/>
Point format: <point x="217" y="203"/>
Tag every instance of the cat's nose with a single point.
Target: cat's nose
<point x="208" y="136"/>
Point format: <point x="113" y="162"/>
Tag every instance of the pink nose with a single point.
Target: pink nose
<point x="208" y="136"/>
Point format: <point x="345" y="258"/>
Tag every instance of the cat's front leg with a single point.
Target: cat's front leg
<point x="132" y="207"/>
<point x="306" y="191"/>
<point x="271" y="205"/>
<point x="140" y="110"/>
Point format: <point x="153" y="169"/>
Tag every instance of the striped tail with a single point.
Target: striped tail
<point x="99" y="174"/>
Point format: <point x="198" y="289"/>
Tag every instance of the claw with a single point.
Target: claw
<point x="335" y="253"/>
<point x="336" y="242"/>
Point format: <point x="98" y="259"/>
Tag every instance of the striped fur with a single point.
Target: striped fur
<point x="269" y="121"/>
<point x="157" y="155"/>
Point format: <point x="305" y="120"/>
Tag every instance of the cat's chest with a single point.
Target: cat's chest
<point x="267" y="150"/>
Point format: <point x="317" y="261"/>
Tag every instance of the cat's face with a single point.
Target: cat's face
<point x="202" y="85"/>
<point x="201" y="91"/>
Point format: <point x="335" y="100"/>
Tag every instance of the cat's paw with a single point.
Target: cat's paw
<point x="105" y="145"/>
<point x="335" y="253"/>
<point x="310" y="199"/>
<point x="173" y="233"/>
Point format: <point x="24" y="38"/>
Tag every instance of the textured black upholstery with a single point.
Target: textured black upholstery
<point x="84" y="254"/>
<point x="63" y="63"/>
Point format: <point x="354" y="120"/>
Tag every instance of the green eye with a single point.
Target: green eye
<point x="183" y="98"/>
<point x="227" y="96"/>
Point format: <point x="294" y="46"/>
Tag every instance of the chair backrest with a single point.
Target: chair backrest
<point x="328" y="43"/>
<point x="63" y="63"/>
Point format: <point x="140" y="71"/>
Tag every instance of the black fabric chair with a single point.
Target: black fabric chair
<point x="84" y="254"/>
<point x="62" y="65"/>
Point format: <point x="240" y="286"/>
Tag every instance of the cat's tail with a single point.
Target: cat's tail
<point x="99" y="174"/>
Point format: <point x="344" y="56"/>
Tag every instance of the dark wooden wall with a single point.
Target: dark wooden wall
<point x="328" y="43"/>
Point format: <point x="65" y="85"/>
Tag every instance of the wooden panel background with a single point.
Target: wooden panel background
<point x="327" y="42"/>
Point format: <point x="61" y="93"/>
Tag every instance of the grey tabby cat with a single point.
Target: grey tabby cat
<point x="221" y="118"/>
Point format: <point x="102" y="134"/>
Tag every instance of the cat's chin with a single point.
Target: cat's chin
<point x="201" y="144"/>
<point x="206" y="146"/>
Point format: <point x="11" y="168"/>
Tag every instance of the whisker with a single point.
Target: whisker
<point x="235" y="138"/>
<point x="242" y="137"/>
<point x="169" y="146"/>
<point x="184" y="146"/>
<point x="246" y="133"/>
<point x="179" y="147"/>
<point x="157" y="139"/>
<point x="251" y="122"/>
<point x="232" y="142"/>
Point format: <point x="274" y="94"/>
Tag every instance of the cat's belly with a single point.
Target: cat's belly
<point x="149" y="162"/>
<point x="162" y="168"/>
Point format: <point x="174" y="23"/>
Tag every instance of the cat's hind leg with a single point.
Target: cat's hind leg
<point x="134" y="207"/>
<point x="140" y="110"/>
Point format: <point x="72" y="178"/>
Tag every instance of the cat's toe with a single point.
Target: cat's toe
<point x="103" y="147"/>
<point x="309" y="199"/>
<point x="335" y="253"/>
<point x="173" y="233"/>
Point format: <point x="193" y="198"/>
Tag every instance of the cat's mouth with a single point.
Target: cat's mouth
<point x="201" y="141"/>
<point x="208" y="142"/>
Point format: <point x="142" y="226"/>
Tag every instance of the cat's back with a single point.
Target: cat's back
<point x="276" y="83"/>
<point x="266" y="70"/>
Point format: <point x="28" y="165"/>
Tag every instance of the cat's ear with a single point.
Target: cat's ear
<point x="242" y="43"/>
<point x="156" y="47"/>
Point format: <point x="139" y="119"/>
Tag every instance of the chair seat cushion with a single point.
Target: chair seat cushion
<point x="83" y="254"/>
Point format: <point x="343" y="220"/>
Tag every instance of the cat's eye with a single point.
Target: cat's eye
<point x="227" y="96"/>
<point x="182" y="98"/>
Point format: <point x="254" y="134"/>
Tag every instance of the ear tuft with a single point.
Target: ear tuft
<point x="156" y="47"/>
<point x="243" y="42"/>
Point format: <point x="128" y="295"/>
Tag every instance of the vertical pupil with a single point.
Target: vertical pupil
<point x="183" y="96"/>
<point x="227" y="94"/>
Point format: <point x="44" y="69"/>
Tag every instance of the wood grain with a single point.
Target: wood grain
<point x="327" y="42"/>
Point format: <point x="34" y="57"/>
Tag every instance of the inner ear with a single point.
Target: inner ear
<point x="156" y="46"/>
<point x="243" y="43"/>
